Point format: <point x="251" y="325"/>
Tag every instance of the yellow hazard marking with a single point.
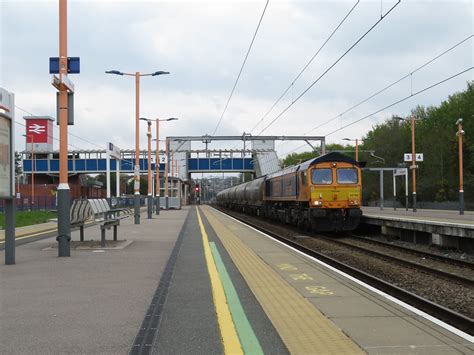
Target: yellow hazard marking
<point x="33" y="235"/>
<point x="230" y="339"/>
<point x="319" y="290"/>
<point x="287" y="267"/>
<point x="301" y="277"/>
<point x="39" y="233"/>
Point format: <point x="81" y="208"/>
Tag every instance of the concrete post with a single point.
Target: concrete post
<point x="394" y="191"/>
<point x="381" y="189"/>
<point x="406" y="189"/>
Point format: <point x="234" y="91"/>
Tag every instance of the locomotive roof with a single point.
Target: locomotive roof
<point x="329" y="157"/>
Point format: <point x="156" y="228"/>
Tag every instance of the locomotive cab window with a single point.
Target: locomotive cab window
<point x="321" y="177"/>
<point x="347" y="176"/>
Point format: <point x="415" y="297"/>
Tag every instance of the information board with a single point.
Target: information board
<point x="5" y="158"/>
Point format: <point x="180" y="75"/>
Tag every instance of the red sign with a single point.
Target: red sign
<point x="39" y="130"/>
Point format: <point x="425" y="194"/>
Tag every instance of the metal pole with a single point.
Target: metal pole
<point x="9" y="231"/>
<point x="166" y="173"/>
<point x="381" y="189"/>
<point x="117" y="178"/>
<point x="107" y="173"/>
<point x="357" y="149"/>
<point x="136" y="194"/>
<point x="64" y="193"/>
<point x="150" y="183"/>
<point x="157" y="167"/>
<point x="394" y="191"/>
<point x="413" y="157"/>
<point x="461" y="183"/>
<point x="33" y="166"/>
<point x="406" y="189"/>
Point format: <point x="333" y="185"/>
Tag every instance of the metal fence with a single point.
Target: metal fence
<point x="39" y="203"/>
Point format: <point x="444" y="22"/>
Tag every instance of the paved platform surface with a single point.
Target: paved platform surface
<point x="92" y="302"/>
<point x="445" y="216"/>
<point x="372" y="322"/>
<point x="195" y="281"/>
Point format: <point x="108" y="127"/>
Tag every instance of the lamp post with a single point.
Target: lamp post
<point x="136" y="186"/>
<point x="157" y="158"/>
<point x="149" y="195"/>
<point x="460" y="133"/>
<point x="413" y="157"/>
<point x="33" y="163"/>
<point x="357" y="146"/>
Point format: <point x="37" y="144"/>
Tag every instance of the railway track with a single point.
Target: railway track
<point x="447" y="315"/>
<point x="452" y="261"/>
<point x="386" y="255"/>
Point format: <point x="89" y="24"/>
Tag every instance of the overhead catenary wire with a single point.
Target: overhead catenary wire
<point x="410" y="74"/>
<point x="291" y="85"/>
<point x="390" y="105"/>
<point x="241" y="68"/>
<point x="401" y="100"/>
<point x="330" y="67"/>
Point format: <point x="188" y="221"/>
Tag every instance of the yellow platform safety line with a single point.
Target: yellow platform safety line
<point x="39" y="233"/>
<point x="230" y="339"/>
<point x="301" y="326"/>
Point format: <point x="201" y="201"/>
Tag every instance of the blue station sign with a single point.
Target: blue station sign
<point x="73" y="65"/>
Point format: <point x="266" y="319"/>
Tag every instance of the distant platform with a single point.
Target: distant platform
<point x="441" y="227"/>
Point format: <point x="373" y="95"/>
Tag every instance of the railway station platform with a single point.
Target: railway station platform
<point x="197" y="281"/>
<point x="441" y="227"/>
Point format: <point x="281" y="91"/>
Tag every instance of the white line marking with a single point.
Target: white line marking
<point x="418" y="312"/>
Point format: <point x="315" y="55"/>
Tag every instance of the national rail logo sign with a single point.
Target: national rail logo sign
<point x="39" y="130"/>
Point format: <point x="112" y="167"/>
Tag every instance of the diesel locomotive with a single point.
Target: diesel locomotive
<point x="320" y="194"/>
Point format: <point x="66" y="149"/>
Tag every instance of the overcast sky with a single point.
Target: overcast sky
<point x="203" y="45"/>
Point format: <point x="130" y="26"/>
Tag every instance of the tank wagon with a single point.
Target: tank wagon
<point x="320" y="194"/>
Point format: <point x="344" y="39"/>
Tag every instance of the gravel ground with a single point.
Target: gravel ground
<point x="450" y="253"/>
<point x="466" y="272"/>
<point x="448" y="293"/>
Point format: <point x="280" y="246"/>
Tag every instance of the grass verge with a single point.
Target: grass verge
<point x="27" y="218"/>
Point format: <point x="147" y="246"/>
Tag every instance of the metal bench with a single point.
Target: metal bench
<point x="79" y="213"/>
<point x="107" y="217"/>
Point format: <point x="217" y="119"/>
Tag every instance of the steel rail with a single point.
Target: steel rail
<point x="426" y="254"/>
<point x="449" y="316"/>
<point x="408" y="263"/>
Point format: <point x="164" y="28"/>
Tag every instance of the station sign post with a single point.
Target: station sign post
<point x="7" y="170"/>
<point x="114" y="152"/>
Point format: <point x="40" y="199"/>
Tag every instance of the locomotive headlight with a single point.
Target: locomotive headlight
<point x="318" y="203"/>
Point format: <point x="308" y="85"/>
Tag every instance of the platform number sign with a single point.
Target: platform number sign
<point x="408" y="157"/>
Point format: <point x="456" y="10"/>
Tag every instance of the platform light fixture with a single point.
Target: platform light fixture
<point x="137" y="76"/>
<point x="459" y="134"/>
<point x="413" y="155"/>
<point x="157" y="164"/>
